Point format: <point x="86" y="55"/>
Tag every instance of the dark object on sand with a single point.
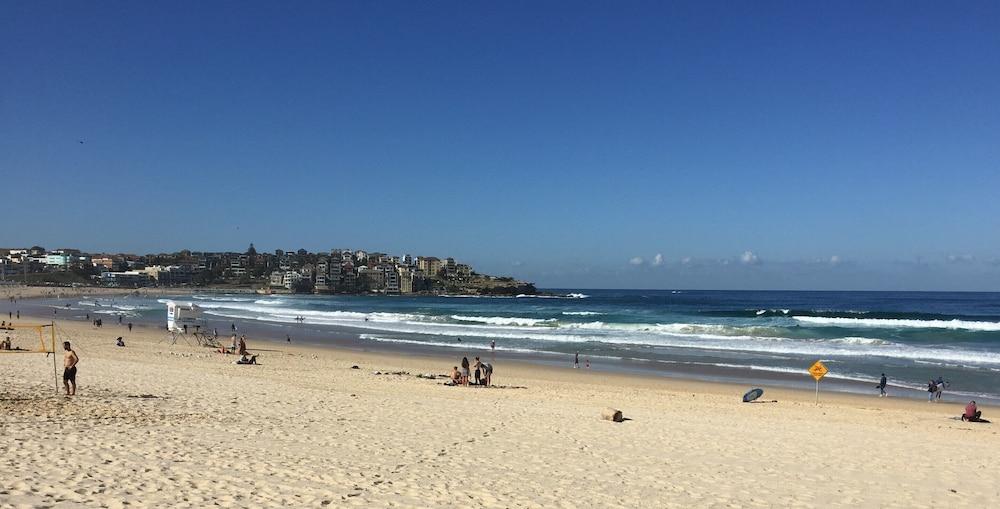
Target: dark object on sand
<point x="611" y="414"/>
<point x="752" y="395"/>
<point x="355" y="367"/>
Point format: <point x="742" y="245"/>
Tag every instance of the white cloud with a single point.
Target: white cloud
<point x="658" y="260"/>
<point x="834" y="260"/>
<point x="636" y="261"/>
<point x="961" y="258"/>
<point x="686" y="260"/>
<point x="749" y="258"/>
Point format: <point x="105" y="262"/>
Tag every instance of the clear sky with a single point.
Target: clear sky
<point x="607" y="144"/>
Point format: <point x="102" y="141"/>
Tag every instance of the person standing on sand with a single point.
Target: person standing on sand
<point x="576" y="361"/>
<point x="130" y="326"/>
<point x="931" y="390"/>
<point x="465" y="371"/>
<point x="288" y="338"/>
<point x="70" y="359"/>
<point x="243" y="345"/>
<point x="881" y="386"/>
<point x="478" y="366"/>
<point x="940" y="388"/>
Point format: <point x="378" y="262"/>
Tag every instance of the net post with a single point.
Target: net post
<point x="55" y="369"/>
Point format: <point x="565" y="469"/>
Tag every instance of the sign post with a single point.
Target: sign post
<point x="818" y="370"/>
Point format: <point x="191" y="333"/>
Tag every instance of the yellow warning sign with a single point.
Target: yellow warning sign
<point x="818" y="370"/>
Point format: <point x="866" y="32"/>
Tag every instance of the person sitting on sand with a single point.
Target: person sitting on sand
<point x="465" y="371"/>
<point x="247" y="359"/>
<point x="972" y="414"/>
<point x="456" y="376"/>
<point x="120" y="342"/>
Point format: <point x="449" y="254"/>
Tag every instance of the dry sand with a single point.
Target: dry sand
<point x="164" y="425"/>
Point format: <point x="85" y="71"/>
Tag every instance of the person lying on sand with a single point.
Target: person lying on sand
<point x="247" y="359"/>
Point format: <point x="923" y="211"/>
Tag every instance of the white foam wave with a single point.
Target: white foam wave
<point x="503" y="320"/>
<point x="900" y="323"/>
<point x="763" y="311"/>
<point x="224" y="298"/>
<point x="567" y="296"/>
<point x="581" y="313"/>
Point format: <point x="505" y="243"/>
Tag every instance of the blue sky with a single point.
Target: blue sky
<point x="765" y="145"/>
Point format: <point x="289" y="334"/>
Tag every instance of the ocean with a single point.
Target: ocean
<point x="746" y="336"/>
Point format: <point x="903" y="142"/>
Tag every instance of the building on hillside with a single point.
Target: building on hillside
<point x="430" y="265"/>
<point x="291" y="278"/>
<point x="405" y="280"/>
<point x="170" y="275"/>
<point x="277" y="278"/>
<point x="58" y="260"/>
<point x="126" y="279"/>
<point x="391" y="278"/>
<point x="372" y="280"/>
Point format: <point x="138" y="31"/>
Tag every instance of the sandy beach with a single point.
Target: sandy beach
<point x="157" y="424"/>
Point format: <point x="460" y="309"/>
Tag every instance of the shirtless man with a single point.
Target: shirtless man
<point x="69" y="369"/>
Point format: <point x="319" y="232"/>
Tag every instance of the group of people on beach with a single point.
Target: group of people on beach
<point x="935" y="389"/>
<point x="483" y="373"/>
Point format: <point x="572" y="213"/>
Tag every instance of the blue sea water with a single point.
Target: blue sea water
<point x="910" y="336"/>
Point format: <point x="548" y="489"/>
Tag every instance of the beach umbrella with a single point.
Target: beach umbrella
<point x="752" y="395"/>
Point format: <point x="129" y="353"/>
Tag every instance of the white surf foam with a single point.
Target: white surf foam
<point x="900" y="323"/>
<point x="503" y="320"/>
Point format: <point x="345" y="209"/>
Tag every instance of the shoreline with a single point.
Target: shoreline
<point x="351" y="339"/>
<point x="724" y="381"/>
<point x="160" y="424"/>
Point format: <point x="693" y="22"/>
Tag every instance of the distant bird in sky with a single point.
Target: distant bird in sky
<point x="80" y="141"/>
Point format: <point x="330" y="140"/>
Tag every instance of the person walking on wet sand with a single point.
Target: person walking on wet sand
<point x="881" y="387"/>
<point x="931" y="390"/>
<point x="130" y="326"/>
<point x="70" y="359"/>
<point x="576" y="361"/>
